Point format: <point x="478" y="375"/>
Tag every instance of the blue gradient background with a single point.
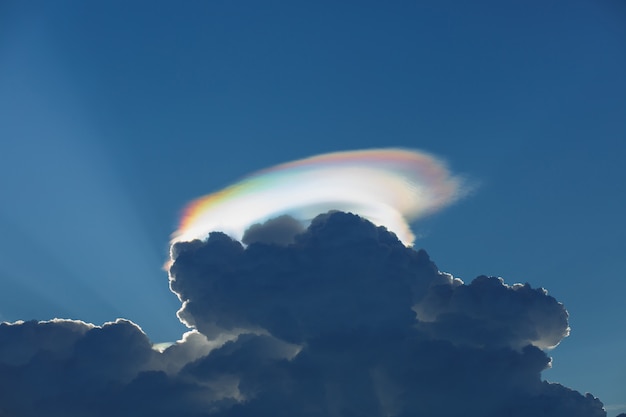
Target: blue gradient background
<point x="113" y="116"/>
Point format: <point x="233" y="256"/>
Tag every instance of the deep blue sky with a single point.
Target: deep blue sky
<point x="113" y="116"/>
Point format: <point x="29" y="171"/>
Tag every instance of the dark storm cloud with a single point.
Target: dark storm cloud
<point x="69" y="366"/>
<point x="344" y="321"/>
<point x="489" y="312"/>
<point x="280" y="230"/>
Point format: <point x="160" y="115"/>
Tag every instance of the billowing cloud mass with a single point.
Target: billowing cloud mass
<point x="344" y="320"/>
<point x="386" y="186"/>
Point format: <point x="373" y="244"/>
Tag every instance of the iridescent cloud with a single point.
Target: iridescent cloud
<point x="389" y="187"/>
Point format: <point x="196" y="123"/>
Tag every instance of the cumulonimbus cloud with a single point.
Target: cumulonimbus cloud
<point x="343" y="321"/>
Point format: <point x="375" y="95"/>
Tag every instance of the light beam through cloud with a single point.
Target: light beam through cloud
<point x="389" y="187"/>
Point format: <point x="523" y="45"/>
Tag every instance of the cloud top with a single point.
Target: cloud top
<point x="389" y="187"/>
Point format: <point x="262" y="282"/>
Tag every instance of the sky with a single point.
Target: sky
<point x="114" y="116"/>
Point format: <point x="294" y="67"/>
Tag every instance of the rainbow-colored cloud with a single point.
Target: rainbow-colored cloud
<point x="389" y="187"/>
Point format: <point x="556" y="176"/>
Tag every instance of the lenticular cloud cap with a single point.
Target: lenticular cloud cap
<point x="389" y="187"/>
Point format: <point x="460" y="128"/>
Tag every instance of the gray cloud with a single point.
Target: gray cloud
<point x="342" y="321"/>
<point x="280" y="230"/>
<point x="489" y="312"/>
